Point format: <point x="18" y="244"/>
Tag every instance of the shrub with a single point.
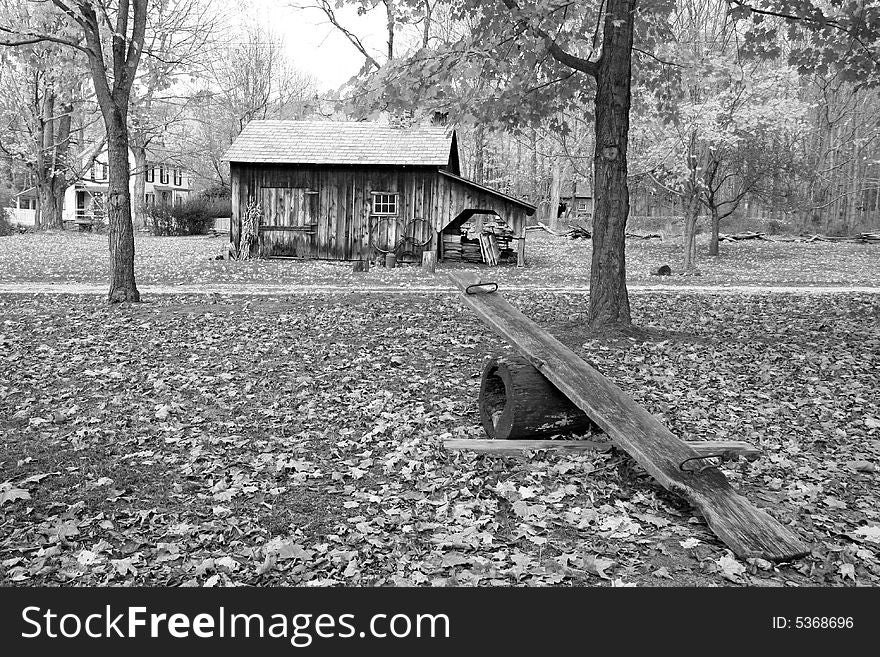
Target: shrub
<point x="195" y="216"/>
<point x="159" y="220"/>
<point x="6" y="227"/>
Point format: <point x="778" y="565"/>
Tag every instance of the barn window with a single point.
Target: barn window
<point x="385" y="203"/>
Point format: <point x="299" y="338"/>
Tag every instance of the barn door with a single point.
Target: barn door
<point x="289" y="226"/>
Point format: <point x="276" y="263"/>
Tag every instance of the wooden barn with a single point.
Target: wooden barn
<point x="338" y="191"/>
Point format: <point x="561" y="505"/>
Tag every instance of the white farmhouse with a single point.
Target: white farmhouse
<point x="166" y="184"/>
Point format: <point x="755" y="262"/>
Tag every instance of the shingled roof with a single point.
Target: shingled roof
<point x="333" y="142"/>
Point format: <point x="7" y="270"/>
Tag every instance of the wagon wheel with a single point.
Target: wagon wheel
<point x="405" y="249"/>
<point x="375" y="226"/>
<point x="416" y="242"/>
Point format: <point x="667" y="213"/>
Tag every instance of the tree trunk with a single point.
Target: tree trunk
<point x="692" y="212"/>
<point x="140" y="183"/>
<point x="51" y="165"/>
<point x="479" y="144"/>
<point x="609" y="301"/>
<point x="533" y="162"/>
<point x="51" y="203"/>
<point x="713" y="242"/>
<point x="58" y="178"/>
<point x="44" y="202"/>
<point x="389" y="14"/>
<point x="555" y="191"/>
<point x="426" y="27"/>
<point x="518" y="402"/>
<point x="122" y="283"/>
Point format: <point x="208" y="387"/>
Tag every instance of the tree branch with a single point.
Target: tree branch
<point x="30" y="38"/>
<point x="557" y="52"/>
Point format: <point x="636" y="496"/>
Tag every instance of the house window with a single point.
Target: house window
<point x="163" y="175"/>
<point x="151" y="173"/>
<point x="98" y="171"/>
<point x="385" y="203"/>
<point x="178" y="178"/>
<point x="149" y="200"/>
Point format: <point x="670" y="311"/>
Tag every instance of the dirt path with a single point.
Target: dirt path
<point x="273" y="290"/>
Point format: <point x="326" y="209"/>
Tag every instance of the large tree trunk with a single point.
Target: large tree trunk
<point x="51" y="203"/>
<point x="713" y="241"/>
<point x="122" y="284"/>
<point x="53" y="146"/>
<point x="609" y="301"/>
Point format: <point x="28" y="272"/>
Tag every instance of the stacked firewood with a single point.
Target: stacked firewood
<point x="490" y="243"/>
<point x="452" y="246"/>
<point x="470" y="250"/>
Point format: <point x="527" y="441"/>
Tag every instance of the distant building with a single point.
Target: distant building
<point x="339" y="190"/>
<point x="166" y="184"/>
<point x="580" y="204"/>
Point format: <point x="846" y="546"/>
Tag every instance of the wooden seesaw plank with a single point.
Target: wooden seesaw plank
<point x="747" y="530"/>
<point x="727" y="449"/>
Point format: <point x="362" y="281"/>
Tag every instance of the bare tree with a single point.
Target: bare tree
<point x="111" y="35"/>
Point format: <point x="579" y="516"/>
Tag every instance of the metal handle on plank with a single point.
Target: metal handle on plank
<point x="700" y="458"/>
<point x="467" y="290"/>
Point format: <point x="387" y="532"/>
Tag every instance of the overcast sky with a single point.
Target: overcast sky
<point x="316" y="47"/>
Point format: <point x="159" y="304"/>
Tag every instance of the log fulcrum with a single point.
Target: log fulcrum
<point x="518" y="402"/>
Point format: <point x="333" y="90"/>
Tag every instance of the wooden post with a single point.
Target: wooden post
<point x="429" y="261"/>
<point x="365" y="255"/>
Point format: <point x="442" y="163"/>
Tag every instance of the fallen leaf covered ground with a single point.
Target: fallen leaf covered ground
<point x="298" y="441"/>
<point x="70" y="257"/>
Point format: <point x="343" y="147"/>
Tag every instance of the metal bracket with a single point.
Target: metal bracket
<point x="700" y="458"/>
<point x="467" y="290"/>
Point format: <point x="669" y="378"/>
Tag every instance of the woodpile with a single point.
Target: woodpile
<point x="452" y="246"/>
<point x="489" y="249"/>
<point x="470" y="251"/>
<point x="490" y="242"/>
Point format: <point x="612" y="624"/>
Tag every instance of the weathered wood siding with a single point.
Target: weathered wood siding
<point x="341" y="208"/>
